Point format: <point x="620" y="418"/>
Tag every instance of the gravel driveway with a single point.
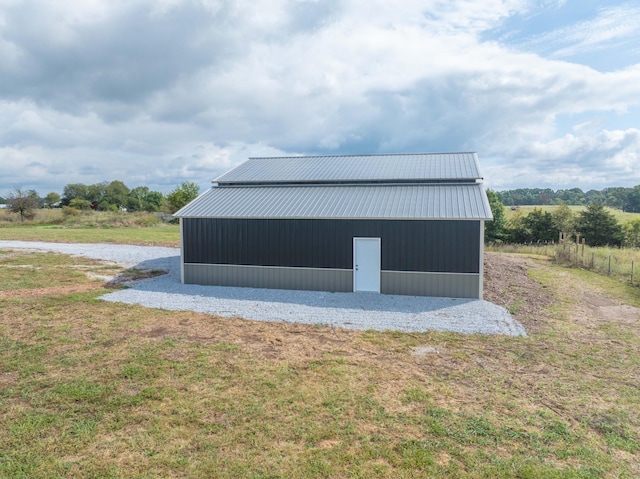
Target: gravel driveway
<point x="348" y="310"/>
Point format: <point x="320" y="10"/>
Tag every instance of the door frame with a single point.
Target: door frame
<point x="377" y="240"/>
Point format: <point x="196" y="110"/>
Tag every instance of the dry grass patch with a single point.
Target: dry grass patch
<point x="97" y="389"/>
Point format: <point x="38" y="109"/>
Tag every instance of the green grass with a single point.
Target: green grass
<point x="620" y="215"/>
<point x="105" y="390"/>
<point x="168" y="235"/>
<point x="90" y="227"/>
<point x="622" y="263"/>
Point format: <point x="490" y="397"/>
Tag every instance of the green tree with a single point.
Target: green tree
<point x="495" y="231"/>
<point x="517" y="230"/>
<point x="599" y="227"/>
<point x="536" y="226"/>
<point x="80" y="204"/>
<point x="632" y="203"/>
<point x="155" y="200"/>
<point x="539" y="225"/>
<point x="616" y="197"/>
<point x="631" y="231"/>
<point x="141" y="199"/>
<point x="51" y="199"/>
<point x="116" y="194"/>
<point x="182" y="195"/>
<point x="23" y="203"/>
<point x="564" y="220"/>
<point x="73" y="191"/>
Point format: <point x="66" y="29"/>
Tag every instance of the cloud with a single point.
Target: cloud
<point x="584" y="160"/>
<point x="613" y="26"/>
<point x="155" y="93"/>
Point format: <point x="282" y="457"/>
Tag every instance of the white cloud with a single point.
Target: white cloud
<point x="157" y="93"/>
<point x="614" y="25"/>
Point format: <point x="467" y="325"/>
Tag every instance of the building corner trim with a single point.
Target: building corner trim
<point x="181" y="251"/>
<point x="481" y="265"/>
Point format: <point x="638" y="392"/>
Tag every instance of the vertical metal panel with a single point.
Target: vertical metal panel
<point x="438" y="246"/>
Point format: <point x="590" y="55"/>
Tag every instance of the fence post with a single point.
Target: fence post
<point x="632" y="261"/>
<point x="593" y="259"/>
<point x="609" y="265"/>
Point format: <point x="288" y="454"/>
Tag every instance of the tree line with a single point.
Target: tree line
<point x="105" y="196"/>
<point x="595" y="224"/>
<point x="625" y="199"/>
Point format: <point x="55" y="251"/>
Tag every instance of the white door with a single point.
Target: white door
<point x="366" y="264"/>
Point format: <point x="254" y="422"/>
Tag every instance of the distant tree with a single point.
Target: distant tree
<point x="80" y="204"/>
<point x="182" y="195"/>
<point x="631" y="231"/>
<point x="155" y="200"/>
<point x="564" y="220"/>
<point x="494" y="231"/>
<point x="116" y="193"/>
<point x="517" y="231"/>
<point x="73" y="191"/>
<point x="616" y="197"/>
<point x="595" y="195"/>
<point x="632" y="203"/>
<point x="540" y="225"/>
<point x="543" y="198"/>
<point x="51" y="199"/>
<point x="23" y="203"/>
<point x="599" y="227"/>
<point x="96" y="194"/>
<point x="141" y="199"/>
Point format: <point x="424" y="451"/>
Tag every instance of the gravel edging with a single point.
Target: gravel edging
<point x="347" y="310"/>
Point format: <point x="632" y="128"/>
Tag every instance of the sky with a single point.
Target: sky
<point x="158" y="92"/>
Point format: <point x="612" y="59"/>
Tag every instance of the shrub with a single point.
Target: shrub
<point x="70" y="211"/>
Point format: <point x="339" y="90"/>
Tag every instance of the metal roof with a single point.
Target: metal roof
<point x="356" y="168"/>
<point x="466" y="201"/>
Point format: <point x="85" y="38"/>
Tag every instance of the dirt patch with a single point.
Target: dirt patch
<point x="128" y="276"/>
<point x="507" y="284"/>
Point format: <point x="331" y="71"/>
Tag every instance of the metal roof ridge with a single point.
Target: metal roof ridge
<point x="350" y="183"/>
<point x="360" y="155"/>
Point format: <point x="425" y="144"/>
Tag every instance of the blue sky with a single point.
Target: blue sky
<point x="157" y="92"/>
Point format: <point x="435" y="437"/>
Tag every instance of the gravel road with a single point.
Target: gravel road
<point x="348" y="310"/>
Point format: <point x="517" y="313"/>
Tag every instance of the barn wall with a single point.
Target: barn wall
<point x="427" y="246"/>
<point x="318" y="279"/>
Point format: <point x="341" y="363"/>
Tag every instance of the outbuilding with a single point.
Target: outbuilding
<point x="409" y="224"/>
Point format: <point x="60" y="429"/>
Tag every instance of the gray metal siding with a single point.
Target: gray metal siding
<point x="462" y="201"/>
<point x="433" y="246"/>
<point x="391" y="282"/>
<point x="269" y="277"/>
<point x="430" y="284"/>
<point x="415" y="166"/>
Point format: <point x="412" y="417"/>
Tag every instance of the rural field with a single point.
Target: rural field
<point x="621" y="216"/>
<point x="92" y="389"/>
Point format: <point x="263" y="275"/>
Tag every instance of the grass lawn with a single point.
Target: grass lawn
<point x="160" y="235"/>
<point x="620" y="215"/>
<point x="105" y="390"/>
<point x="90" y="227"/>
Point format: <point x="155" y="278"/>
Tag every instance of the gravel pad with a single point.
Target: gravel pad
<point x="348" y="310"/>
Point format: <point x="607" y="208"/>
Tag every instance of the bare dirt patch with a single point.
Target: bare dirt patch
<point x="507" y="284"/>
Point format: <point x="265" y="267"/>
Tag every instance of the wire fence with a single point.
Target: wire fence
<point x="620" y="262"/>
